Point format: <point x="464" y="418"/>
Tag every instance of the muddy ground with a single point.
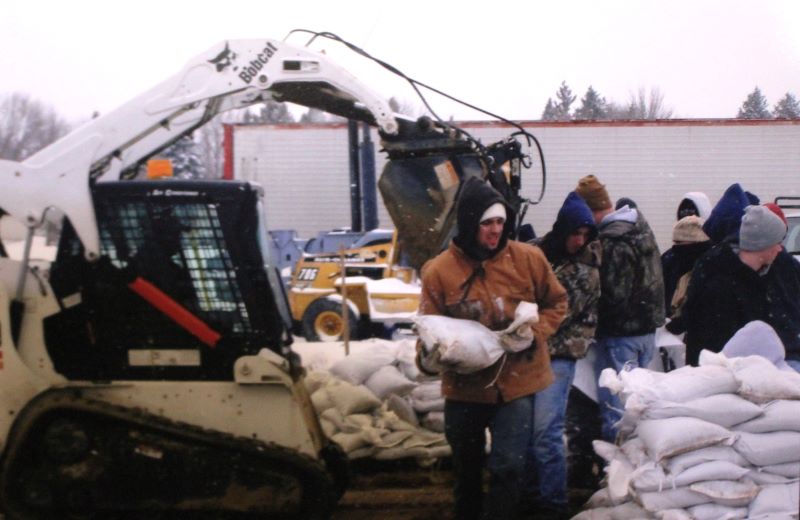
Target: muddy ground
<point x="401" y="490"/>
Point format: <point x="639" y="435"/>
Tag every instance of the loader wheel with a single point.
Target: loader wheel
<point x="323" y="321"/>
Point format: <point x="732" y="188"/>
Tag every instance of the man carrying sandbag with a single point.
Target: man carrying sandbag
<point x="483" y="277"/>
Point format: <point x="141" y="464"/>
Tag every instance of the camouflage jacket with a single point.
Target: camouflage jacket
<point x="579" y="274"/>
<point x="631" y="282"/>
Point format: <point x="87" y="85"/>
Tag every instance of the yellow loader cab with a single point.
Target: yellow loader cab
<point x="381" y="292"/>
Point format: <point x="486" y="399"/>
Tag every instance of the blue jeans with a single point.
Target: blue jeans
<point x="617" y="352"/>
<point x="547" y="448"/>
<point x="510" y="427"/>
<point x="794" y="363"/>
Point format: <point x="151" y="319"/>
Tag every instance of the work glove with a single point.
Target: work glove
<point x="519" y="335"/>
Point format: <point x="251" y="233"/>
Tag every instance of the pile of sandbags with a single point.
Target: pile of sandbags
<point x="367" y="403"/>
<point x="718" y="441"/>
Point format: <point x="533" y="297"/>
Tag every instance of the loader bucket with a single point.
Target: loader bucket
<point x="420" y="195"/>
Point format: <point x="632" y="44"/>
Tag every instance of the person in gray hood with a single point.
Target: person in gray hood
<point x="631" y="303"/>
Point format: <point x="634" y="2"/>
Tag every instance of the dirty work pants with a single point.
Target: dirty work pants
<point x="547" y="448"/>
<point x="510" y="427"/>
<point x="619" y="352"/>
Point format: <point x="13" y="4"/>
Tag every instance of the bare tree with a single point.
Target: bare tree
<point x="642" y="105"/>
<point x="27" y="126"/>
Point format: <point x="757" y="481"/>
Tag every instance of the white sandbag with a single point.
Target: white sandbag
<point x="782" y="415"/>
<point x="427" y="391"/>
<point x="681" y="385"/>
<point x="619" y="472"/>
<point x="356" y="368"/>
<point x="776" y="502"/>
<point x="335" y="417"/>
<point x="679" y="498"/>
<point x="636" y="452"/>
<point x="764" y="449"/>
<point x="438" y="452"/>
<point x="723" y="409"/>
<point x="464" y="346"/>
<point x="425" y="439"/>
<point x="669" y="437"/>
<point x="389" y="380"/>
<point x="761" y="381"/>
<point x="605" y="450"/>
<point x="321" y="399"/>
<point x="599" y="498"/>
<point x="406" y="359"/>
<point x="434" y="421"/>
<point x="628" y="511"/>
<point x="650" y="477"/>
<point x="678" y="464"/>
<point x="350" y="399"/>
<point x="328" y="428"/>
<point x="392" y="439"/>
<point x="362" y="453"/>
<point x="401" y="406"/>
<point x="654" y="479"/>
<point x="673" y="514"/>
<point x="713" y="470"/>
<point x="349" y="441"/>
<point x="399" y="452"/>
<point x="727" y="492"/>
<point x="599" y="513"/>
<point x="315" y="379"/>
<point x="359" y="420"/>
<point x="390" y="421"/>
<point x="717" y="512"/>
<point x="435" y="405"/>
<point x="789" y="469"/>
<point x="764" y="478"/>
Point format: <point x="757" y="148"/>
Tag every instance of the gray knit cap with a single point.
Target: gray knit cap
<point x="760" y="229"/>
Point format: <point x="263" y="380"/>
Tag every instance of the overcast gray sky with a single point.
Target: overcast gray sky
<point x="508" y="57"/>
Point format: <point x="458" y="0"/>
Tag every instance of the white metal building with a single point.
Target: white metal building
<point x="304" y="168"/>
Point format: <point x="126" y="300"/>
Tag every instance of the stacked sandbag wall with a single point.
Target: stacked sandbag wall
<point x="718" y="441"/>
<point x="376" y="403"/>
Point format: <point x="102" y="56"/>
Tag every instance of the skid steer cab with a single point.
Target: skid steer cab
<point x="381" y="290"/>
<point x="159" y="377"/>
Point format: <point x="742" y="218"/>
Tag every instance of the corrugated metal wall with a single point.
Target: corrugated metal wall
<point x="304" y="169"/>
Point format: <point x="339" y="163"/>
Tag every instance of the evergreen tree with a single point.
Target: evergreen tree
<point x="754" y="107"/>
<point x="560" y="110"/>
<point x="565" y="99"/>
<point x="550" y="112"/>
<point x="185" y="157"/>
<point x="593" y="106"/>
<point x="787" y="108"/>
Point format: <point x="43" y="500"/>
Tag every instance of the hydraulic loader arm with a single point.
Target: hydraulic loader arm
<point x="233" y="74"/>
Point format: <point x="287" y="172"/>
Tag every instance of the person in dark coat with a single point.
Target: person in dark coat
<point x="734" y="283"/>
<point x="689" y="244"/>
<point x="631" y="304"/>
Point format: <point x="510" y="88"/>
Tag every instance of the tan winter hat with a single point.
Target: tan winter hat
<point x="594" y="193"/>
<point x="689" y="230"/>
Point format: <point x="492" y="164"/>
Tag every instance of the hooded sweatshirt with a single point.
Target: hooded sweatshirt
<point x="468" y="282"/>
<point x="700" y="202"/>
<point x="579" y="274"/>
<point x="724" y="220"/>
